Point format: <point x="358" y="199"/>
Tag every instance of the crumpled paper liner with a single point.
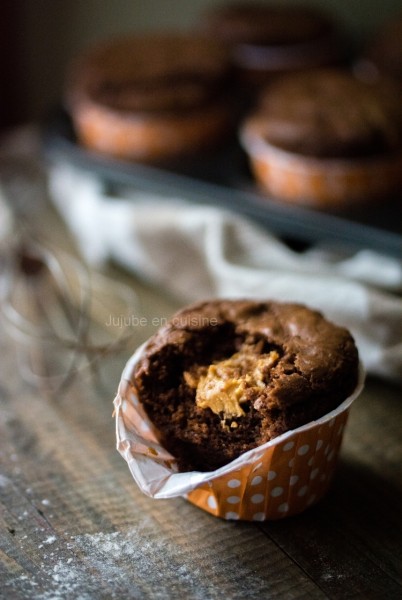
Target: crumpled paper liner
<point x="280" y="478"/>
<point x="319" y="182"/>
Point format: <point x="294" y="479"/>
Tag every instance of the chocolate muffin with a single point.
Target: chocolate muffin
<point x="331" y="113"/>
<point x="224" y="376"/>
<point x="150" y="97"/>
<point x="275" y="38"/>
<point x="326" y="139"/>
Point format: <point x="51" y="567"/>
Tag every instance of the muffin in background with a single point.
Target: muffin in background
<point x="151" y="97"/>
<point x="252" y="394"/>
<point x="326" y="139"/>
<point x="267" y="40"/>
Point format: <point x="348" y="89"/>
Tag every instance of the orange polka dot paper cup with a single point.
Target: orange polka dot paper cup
<point x="278" y="479"/>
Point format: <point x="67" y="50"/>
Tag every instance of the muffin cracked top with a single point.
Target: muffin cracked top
<point x="225" y="376"/>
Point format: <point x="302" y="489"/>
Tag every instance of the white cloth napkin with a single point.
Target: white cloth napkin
<point x="200" y="251"/>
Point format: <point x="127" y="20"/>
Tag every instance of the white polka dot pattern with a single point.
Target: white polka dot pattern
<point x="256" y="480"/>
<point x="230" y="515"/>
<point x="257" y="498"/>
<point x="212" y="502"/>
<point x="259" y="516"/>
<point x="277" y="491"/>
<point x="302" y="491"/>
<point x="285" y="480"/>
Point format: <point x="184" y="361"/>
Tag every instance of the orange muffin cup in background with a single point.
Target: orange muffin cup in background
<point x="278" y="479"/>
<point x="150" y="97"/>
<point x="150" y="137"/>
<point x="323" y="183"/>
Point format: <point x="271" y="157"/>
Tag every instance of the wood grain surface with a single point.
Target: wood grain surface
<point x="73" y="524"/>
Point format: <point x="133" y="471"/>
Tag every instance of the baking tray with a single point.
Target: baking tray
<point x="222" y="178"/>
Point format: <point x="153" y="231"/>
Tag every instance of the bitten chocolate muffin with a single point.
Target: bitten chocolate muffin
<point x="151" y="97"/>
<point x="225" y="376"/>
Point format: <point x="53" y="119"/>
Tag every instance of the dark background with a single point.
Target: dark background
<point x="39" y="37"/>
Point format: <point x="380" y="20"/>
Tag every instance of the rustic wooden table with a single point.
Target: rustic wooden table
<point x="74" y="525"/>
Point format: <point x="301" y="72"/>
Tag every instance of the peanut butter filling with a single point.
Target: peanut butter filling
<point x="222" y="387"/>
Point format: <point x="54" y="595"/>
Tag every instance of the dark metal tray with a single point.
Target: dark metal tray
<point x="221" y="178"/>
